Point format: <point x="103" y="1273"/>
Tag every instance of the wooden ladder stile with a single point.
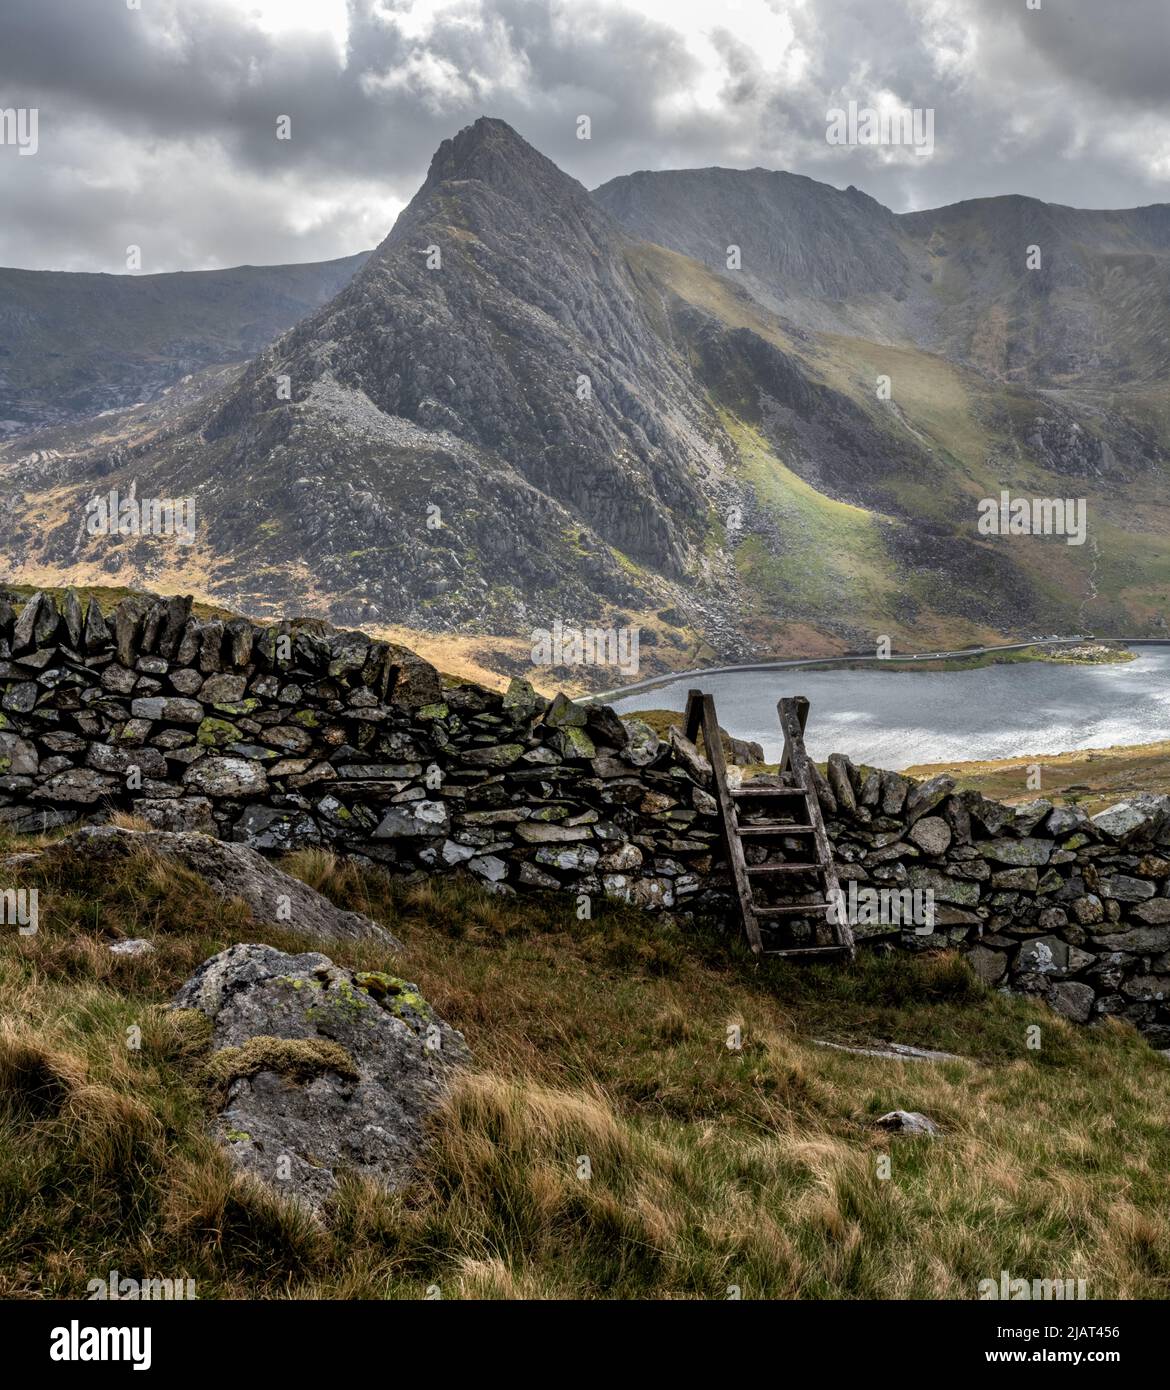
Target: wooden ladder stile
<point x="793" y="715"/>
<point x="800" y="789"/>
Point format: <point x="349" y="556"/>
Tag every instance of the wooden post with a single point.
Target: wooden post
<point x="694" y="714"/>
<point x="801" y="704"/>
<point x="732" y="844"/>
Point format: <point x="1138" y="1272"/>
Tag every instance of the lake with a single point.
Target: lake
<point x="896" y="719"/>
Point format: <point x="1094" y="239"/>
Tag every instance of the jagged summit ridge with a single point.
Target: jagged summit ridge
<point x="492" y="152"/>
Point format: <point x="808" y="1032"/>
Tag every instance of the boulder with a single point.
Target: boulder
<point x="894" y="788"/>
<point x="275" y="898"/>
<point x="415" y="819"/>
<point x="838" y="769"/>
<point x="565" y="713"/>
<point x="1064" y="820"/>
<point x="78" y="785"/>
<point x="690" y="758"/>
<point x="320" y="1070"/>
<point x="417" y="682"/>
<point x="492" y="755"/>
<point x="931" y="834"/>
<point x="1027" y="817"/>
<point x="1128" y="819"/>
<point x="1043" y="955"/>
<point x="1072" y="999"/>
<point x="925" y="796"/>
<point x="18" y="756"/>
<point x="521" y="701"/>
<point x="1025" y="852"/>
<point x="1154" y="912"/>
<point x="171" y="709"/>
<point x="1126" y="889"/>
<point x="176" y="813"/>
<point x="643" y="743"/>
<point x="605" y="728"/>
<point x="538" y="833"/>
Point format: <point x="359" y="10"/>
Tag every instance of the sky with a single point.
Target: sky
<point x="157" y="120"/>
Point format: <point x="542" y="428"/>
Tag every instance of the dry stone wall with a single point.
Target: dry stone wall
<point x="1045" y="900"/>
<point x="298" y="734"/>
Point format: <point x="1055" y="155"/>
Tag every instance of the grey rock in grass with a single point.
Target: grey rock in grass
<point x="907" y="1122"/>
<point x="230" y="871"/>
<point x="321" y="1070"/>
<point x="133" y="946"/>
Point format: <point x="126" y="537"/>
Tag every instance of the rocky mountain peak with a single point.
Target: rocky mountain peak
<point x="491" y="153"/>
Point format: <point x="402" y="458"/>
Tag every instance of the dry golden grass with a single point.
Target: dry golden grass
<point x="606" y="1144"/>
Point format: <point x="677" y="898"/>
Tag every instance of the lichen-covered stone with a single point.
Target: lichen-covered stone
<point x="321" y="1070"/>
<point x="226" y="777"/>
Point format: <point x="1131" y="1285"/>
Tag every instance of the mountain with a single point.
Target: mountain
<point x="533" y="292"/>
<point x="74" y="344"/>
<point x="521" y="392"/>
<point x="953" y="280"/>
<point x="529" y="405"/>
<point x="826" y="260"/>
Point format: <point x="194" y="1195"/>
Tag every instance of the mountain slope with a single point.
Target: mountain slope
<point x="824" y="259"/>
<point x="74" y="344"/>
<point x="489" y="346"/>
<point x="954" y="280"/>
<point x="1051" y="382"/>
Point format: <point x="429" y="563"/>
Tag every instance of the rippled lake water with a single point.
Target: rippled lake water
<point x="895" y="719"/>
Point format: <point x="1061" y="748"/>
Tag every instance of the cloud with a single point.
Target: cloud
<point x="158" y="126"/>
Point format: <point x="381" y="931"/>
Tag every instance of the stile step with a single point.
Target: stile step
<point x="791" y="909"/>
<point x="807" y="951"/>
<point x="745" y="793"/>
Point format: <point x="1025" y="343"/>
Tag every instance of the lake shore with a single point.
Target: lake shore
<point x="999" y="715"/>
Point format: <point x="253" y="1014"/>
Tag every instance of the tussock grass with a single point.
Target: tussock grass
<point x="607" y="1142"/>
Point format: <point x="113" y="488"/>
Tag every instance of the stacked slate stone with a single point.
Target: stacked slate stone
<point x="298" y="734"/>
<point x="553" y="795"/>
<point x="1044" y="900"/>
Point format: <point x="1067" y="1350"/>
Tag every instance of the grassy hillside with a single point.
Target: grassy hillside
<point x="1092" y="779"/>
<point x="711" y="1168"/>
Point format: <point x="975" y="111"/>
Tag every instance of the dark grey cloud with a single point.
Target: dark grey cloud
<point x="158" y="125"/>
<point x="1120" y="49"/>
